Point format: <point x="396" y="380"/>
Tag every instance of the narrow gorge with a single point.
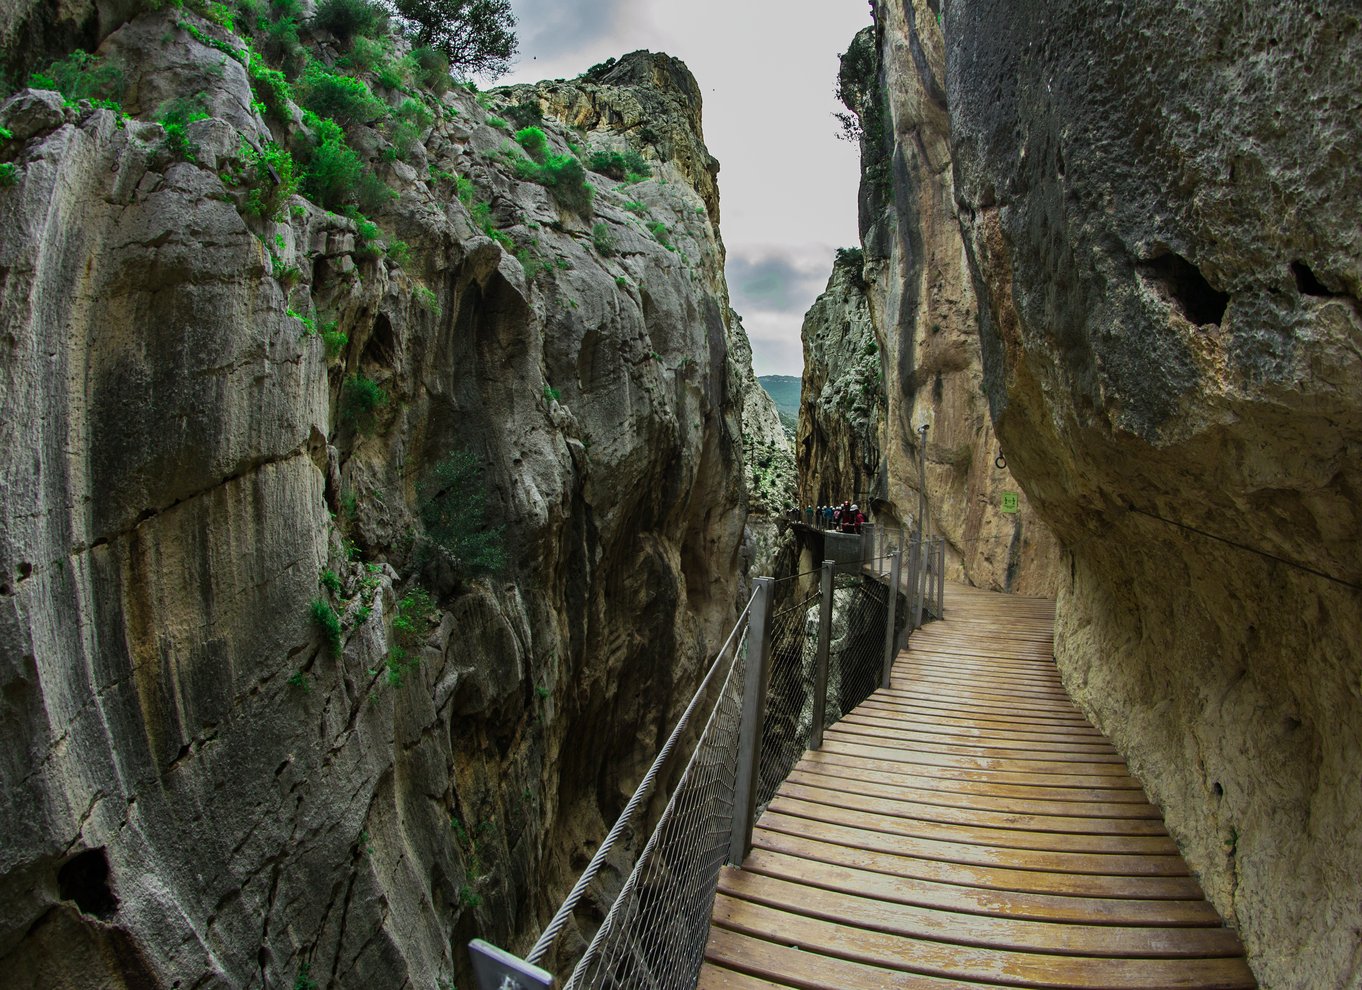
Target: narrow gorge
<point x="383" y="459"/>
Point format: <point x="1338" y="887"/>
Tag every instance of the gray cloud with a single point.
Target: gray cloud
<point x="552" y="28"/>
<point x="776" y="281"/>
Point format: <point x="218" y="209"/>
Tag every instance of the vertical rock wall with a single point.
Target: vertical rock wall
<point x="199" y="790"/>
<point x="1162" y="214"/>
<point x="916" y="287"/>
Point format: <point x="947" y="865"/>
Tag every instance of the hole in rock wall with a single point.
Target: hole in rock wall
<point x="382" y="347"/>
<point x="85" y="879"/>
<point x="1183" y="285"/>
<point x="1217" y="789"/>
<point x="1306" y="282"/>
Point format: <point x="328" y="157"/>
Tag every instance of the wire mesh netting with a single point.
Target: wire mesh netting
<point x="855" y="656"/>
<point x="654" y="934"/>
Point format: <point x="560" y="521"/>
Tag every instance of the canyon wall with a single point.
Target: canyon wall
<point x="352" y="567"/>
<point x="1162" y="217"/>
<point x="858" y="435"/>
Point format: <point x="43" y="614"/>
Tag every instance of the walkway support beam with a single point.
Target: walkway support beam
<point x="820" y="663"/>
<point x="753" y="710"/>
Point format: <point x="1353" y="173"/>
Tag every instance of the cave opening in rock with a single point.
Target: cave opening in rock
<point x="85" y="879"/>
<point x="1307" y="283"/>
<point x="1186" y="288"/>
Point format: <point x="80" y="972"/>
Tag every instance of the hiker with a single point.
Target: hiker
<point x="847" y="519"/>
<point x="827" y="517"/>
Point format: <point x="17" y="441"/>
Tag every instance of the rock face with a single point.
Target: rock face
<point x="201" y="790"/>
<point x="842" y="412"/>
<point x="1164" y="229"/>
<point x="909" y="319"/>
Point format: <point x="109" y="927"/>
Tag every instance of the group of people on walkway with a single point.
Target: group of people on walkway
<point x="846" y="518"/>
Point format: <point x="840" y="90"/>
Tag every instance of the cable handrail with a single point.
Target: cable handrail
<point x="801" y="668"/>
<point x="641" y="793"/>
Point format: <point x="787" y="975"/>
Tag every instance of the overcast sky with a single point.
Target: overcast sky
<point x="787" y="186"/>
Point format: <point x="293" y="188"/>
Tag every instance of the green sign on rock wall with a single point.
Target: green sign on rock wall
<point x="1009" y="501"/>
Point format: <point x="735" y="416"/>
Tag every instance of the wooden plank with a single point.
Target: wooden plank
<point x="976" y="768"/>
<point x="980" y="931"/>
<point x="809" y="787"/>
<point x="984" y="723"/>
<point x="927" y="958"/>
<point x="809" y="971"/>
<point x="959" y="898"/>
<point x="935" y="777"/>
<point x="890" y="734"/>
<point x="798" y="802"/>
<point x="714" y="977"/>
<point x="970" y="854"/>
<point x="854" y="781"/>
<point x="1001" y="738"/>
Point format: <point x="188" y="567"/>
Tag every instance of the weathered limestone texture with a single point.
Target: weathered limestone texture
<point x="1162" y="212"/>
<point x="199" y="790"/>
<point x="842" y="407"/>
<point x="915" y="286"/>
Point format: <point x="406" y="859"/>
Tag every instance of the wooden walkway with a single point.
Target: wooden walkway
<point x="966" y="827"/>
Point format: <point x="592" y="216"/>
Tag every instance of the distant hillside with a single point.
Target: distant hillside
<point x="784" y="391"/>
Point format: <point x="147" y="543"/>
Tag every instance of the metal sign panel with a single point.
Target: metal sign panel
<point x="496" y="969"/>
<point x="1010" y="501"/>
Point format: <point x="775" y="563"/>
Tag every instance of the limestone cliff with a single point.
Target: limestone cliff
<point x="350" y="564"/>
<point x="916" y="290"/>
<point x="843" y="403"/>
<point x="1162" y="218"/>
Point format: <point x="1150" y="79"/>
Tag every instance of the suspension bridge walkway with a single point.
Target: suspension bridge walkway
<point x="965" y="826"/>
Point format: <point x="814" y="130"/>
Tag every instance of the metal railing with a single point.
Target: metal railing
<point x="779" y="679"/>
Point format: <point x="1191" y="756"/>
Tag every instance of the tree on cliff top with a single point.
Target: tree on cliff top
<point x="477" y="35"/>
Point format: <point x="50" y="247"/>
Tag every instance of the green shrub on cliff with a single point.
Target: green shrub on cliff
<point x="267" y="176"/>
<point x="328" y="622"/>
<point x="82" y="76"/>
<point x="348" y="19"/>
<point x="9" y="174"/>
<point x="361" y="398"/>
<point x="628" y="166"/>
<point x="562" y="175"/>
<point x="175" y="118"/>
<point x="453" y="508"/>
<point x="344" y="99"/>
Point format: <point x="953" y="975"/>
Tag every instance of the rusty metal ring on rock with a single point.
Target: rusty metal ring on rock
<point x="1000" y="462"/>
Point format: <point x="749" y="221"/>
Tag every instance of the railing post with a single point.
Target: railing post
<point x="890" y="639"/>
<point x="867" y="544"/>
<point x="914" y="565"/>
<point x="753" y="710"/>
<point x="941" y="581"/>
<point x="820" y="663"/>
<point x="924" y="560"/>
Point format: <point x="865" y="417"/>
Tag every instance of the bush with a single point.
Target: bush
<point x="175" y="118"/>
<point x="408" y="124"/>
<point x="625" y="165"/>
<point x="367" y="54"/>
<point x="265" y="197"/>
<point x="602" y="239"/>
<point x="534" y="141"/>
<point x="347" y="19"/>
<point x="659" y="231"/>
<point x="271" y="88"/>
<point x="9" y="175"/>
<point x="361" y="398"/>
<point x="454" y="511"/>
<point x="335" y="340"/>
<point x="81" y="76"/>
<point x="525" y="114"/>
<point x="432" y="69"/>
<point x="332" y="170"/>
<point x="326" y="620"/>
<point x="564" y="177"/>
<point x="477" y="36"/>
<point x="344" y="99"/>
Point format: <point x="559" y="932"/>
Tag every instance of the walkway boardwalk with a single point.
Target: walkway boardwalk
<point x="967" y="827"/>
